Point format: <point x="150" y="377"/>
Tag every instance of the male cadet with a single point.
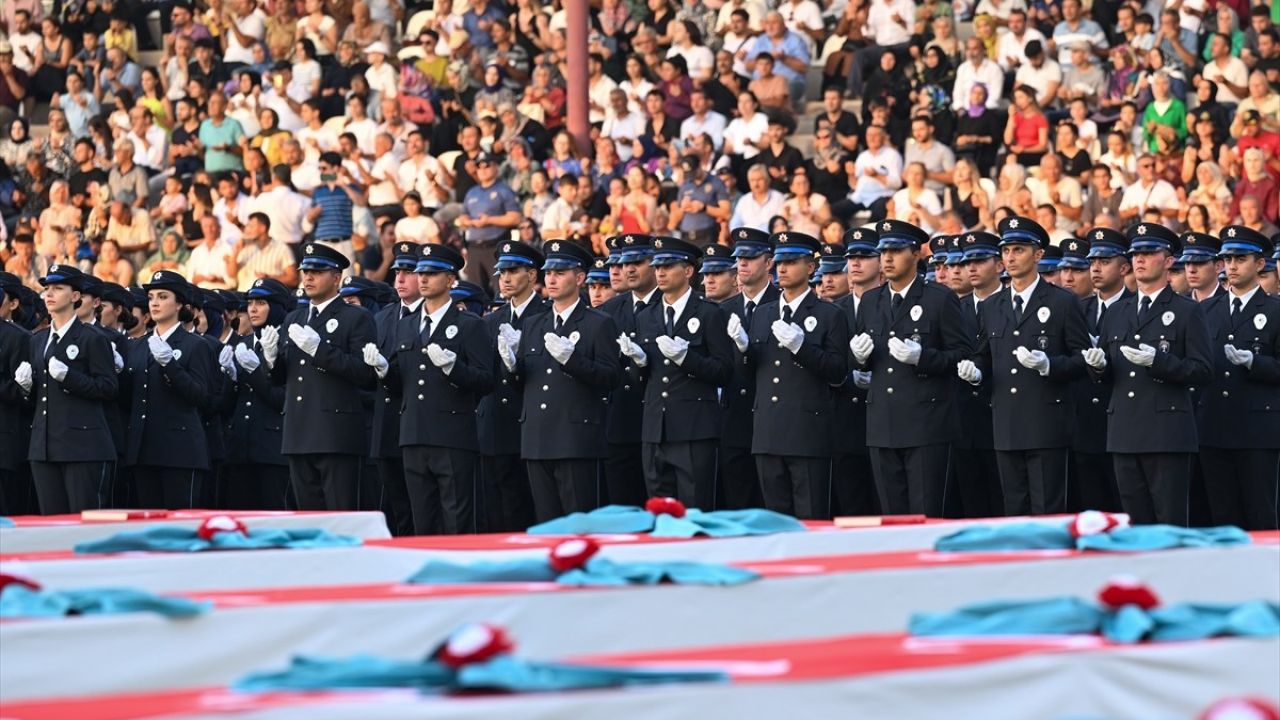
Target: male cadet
<point x="1240" y="408"/>
<point x="169" y="381"/>
<point x="1030" y="340"/>
<point x="973" y="482"/>
<point x="853" y="488"/>
<point x="910" y="335"/>
<point x="1269" y="278"/>
<point x="70" y="376"/>
<point x="1177" y="278"/>
<point x="793" y="351"/>
<point x="682" y="346"/>
<point x="508" y="506"/>
<point x="13" y="352"/>
<point x="320" y="362"/>
<point x="614" y="264"/>
<point x="1048" y="265"/>
<point x="1154" y="347"/>
<point x="833" y="280"/>
<point x="623" y="474"/>
<point x="567" y="360"/>
<point x="740" y="486"/>
<point x="387" y="404"/>
<point x="1202" y="266"/>
<point x="1074" y="268"/>
<point x="443" y="365"/>
<point x="599" y="285"/>
<point x="718" y="272"/>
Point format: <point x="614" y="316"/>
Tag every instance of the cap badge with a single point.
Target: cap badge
<point x="155" y="278"/>
<point x="657" y="244"/>
<point x="782" y="237"/>
<point x="971" y="239"/>
<point x="886" y="227"/>
<point x="1072" y="246"/>
<point x="555" y="247"/>
<point x="506" y="248"/>
<point x="742" y="234"/>
<point x="53" y="268"/>
<point x="347" y="280"/>
<point x="712" y="251"/>
<point x="426" y="250"/>
<point x="629" y="240"/>
<point x="1013" y="223"/>
<point x="311" y="249"/>
<point x="1098" y="235"/>
<point x="257" y="283"/>
<point x="1142" y="229"/>
<point x="1231" y="232"/>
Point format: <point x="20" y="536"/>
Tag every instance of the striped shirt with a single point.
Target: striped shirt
<point x="271" y="260"/>
<point x="335" y="206"/>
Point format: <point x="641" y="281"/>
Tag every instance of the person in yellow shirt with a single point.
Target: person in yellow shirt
<point x="120" y="34"/>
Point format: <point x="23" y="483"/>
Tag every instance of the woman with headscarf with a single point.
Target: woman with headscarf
<point x="1121" y="87"/>
<point x="889" y="84"/>
<point x="1258" y="183"/>
<point x="1157" y="64"/>
<point x="1164" y="122"/>
<point x="1210" y="190"/>
<point x="271" y="138"/>
<point x="1012" y="192"/>
<point x="494" y="92"/>
<point x="1228" y="24"/>
<point x="977" y="133"/>
<point x="17" y="143"/>
<point x="171" y="255"/>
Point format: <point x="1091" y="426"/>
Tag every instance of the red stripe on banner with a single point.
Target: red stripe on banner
<point x="34" y="521"/>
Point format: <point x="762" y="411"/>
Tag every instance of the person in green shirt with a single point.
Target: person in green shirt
<point x="221" y="137"/>
<point x="1165" y="119"/>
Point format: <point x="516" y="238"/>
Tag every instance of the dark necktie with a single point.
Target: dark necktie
<point x="1102" y="312"/>
<point x="514" y="317"/>
<point x="1236" y="306"/>
<point x="1017" y="307"/>
<point x="559" y="324"/>
<point x="1144" y="308"/>
<point x="671" y="321"/>
<point x="53" y="346"/>
<point x="315" y="313"/>
<point x="426" y="328"/>
<point x="786" y="314"/>
<point x="405" y="310"/>
<point x="896" y="303"/>
<point x="747" y="311"/>
<point x="640" y="305"/>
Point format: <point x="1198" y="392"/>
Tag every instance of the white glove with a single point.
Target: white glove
<point x="441" y="358"/>
<point x="116" y="359"/>
<point x="630" y="349"/>
<point x="57" y="369"/>
<point x="789" y="335"/>
<point x="861" y="347"/>
<point x="905" y="351"/>
<point x="506" y="350"/>
<point x="269" y="339"/>
<point x="560" y="348"/>
<point x="1238" y="357"/>
<point x="227" y="361"/>
<point x="374" y="359"/>
<point x="861" y="379"/>
<point x="1142" y="355"/>
<point x="22" y="376"/>
<point x="737" y="333"/>
<point x="968" y="372"/>
<point x="1095" y="358"/>
<point x="511" y="334"/>
<point x="247" y="358"/>
<point x="675" y="349"/>
<point x="160" y="349"/>
<point x="305" y="337"/>
<point x="1033" y="360"/>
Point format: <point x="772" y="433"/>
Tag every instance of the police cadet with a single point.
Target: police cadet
<point x="1030" y="340"/>
<point x="1049" y="265"/>
<point x="1240" y="408"/>
<point x="508" y="504"/>
<point x="257" y="474"/>
<point x="320" y="360"/>
<point x="853" y="487"/>
<point x="567" y="361"/>
<point x="739" y="484"/>
<point x="718" y="272"/>
<point x="69" y="375"/>
<point x="937" y="260"/>
<point x="1268" y="279"/>
<point x="599" y="285"/>
<point x="207" y="313"/>
<point x="13" y="352"/>
<point x="833" y="280"/>
<point x="910" y="335"/>
<point x="623" y="473"/>
<point x="1074" y="268"/>
<point x="682" y="346"/>
<point x="1154" y="347"/>
<point x="614" y="264"/>
<point x="1202" y="266"/>
<point x="469" y="297"/>
<point x="385" y="441"/>
<point x="443" y="365"/>
<point x="793" y="352"/>
<point x="368" y="295"/>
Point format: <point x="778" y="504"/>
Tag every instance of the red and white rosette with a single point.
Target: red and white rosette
<point x="474" y="644"/>
<point x="220" y="524"/>
<point x="1095" y="522"/>
<point x="7" y="579"/>
<point x="1127" y="590"/>
<point x="572" y="554"/>
<point x="665" y="506"/>
<point x="1241" y="709"/>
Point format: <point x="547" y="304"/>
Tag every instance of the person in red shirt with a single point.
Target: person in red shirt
<point x="1254" y="136"/>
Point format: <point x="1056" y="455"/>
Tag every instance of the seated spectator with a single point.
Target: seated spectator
<point x="788" y="49"/>
<point x="1149" y="193"/>
<point x="977" y="68"/>
<point x="1026" y="134"/>
<point x="1164" y="121"/>
<point x="756" y="208"/>
<point x="1258" y="183"/>
<point x="1104" y="196"/>
<point x="915" y="203"/>
<point x="1066" y="146"/>
<point x="873" y="177"/>
<point x="804" y="210"/>
<point x="769" y="88"/>
<point x="119" y="74"/>
<point x="415" y="227"/>
<point x="967" y="198"/>
<point x="924" y="148"/>
<point x="110" y="267"/>
<point x="745" y="134"/>
<point x="1252" y="216"/>
<point x="1228" y="72"/>
<point x="1212" y="193"/>
<point x="207" y="265"/>
<point x="172" y="254"/>
<point x="1264" y="100"/>
<point x="979" y="130"/>
<point x="1083" y="79"/>
<point x="131" y="230"/>
<point x="259" y="255"/>
<point x="890" y="85"/>
<point x="1041" y="73"/>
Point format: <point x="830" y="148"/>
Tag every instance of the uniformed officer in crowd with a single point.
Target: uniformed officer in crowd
<point x="623" y="473"/>
<point x="793" y="352"/>
<point x="70" y="376"/>
<point x="1074" y="267"/>
<point x="1030" y="340"/>
<point x="13" y="442"/>
<point x="567" y="360"/>
<point x="470" y="297"/>
<point x="853" y="487"/>
<point x="1268" y="279"/>
<point x="614" y="263"/>
<point x="257" y="474"/>
<point x="909" y="335"/>
<point x="718" y="273"/>
<point x="443" y="365"/>
<point x="1202" y="266"/>
<point x="1050" y="265"/>
<point x="507" y="501"/>
<point x="682" y="347"/>
<point x="1177" y="278"/>
<point x="937" y="261"/>
<point x="1240" y="409"/>
<point x="702" y="203"/>
<point x="319" y="358"/>
<point x="370" y="296"/>
<point x="209" y="310"/>
<point x="1155" y="348"/>
<point x="833" y="279"/>
<point x="599" y="285"/>
<point x="141" y="313"/>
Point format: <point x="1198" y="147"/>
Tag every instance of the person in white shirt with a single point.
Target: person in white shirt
<point x="754" y="9"/>
<point x="977" y="68"/>
<point x="382" y="76"/>
<point x="804" y="18"/>
<point x="686" y="42"/>
<point x="422" y="173"/>
<point x="563" y="216"/>
<point x="756" y="208"/>
<point x="1063" y="194"/>
<point x="746" y="133"/>
<point x="703" y="120"/>
<point x="1012" y="45"/>
<point x="285" y="95"/>
<point x="877" y="172"/>
<point x="415" y="227"/>
<point x="381" y="179"/>
<point x="247" y="28"/>
<point x="1229" y="73"/>
<point x="26" y="42"/>
<point x="358" y="124"/>
<point x="285" y="208"/>
<point x="622" y="125"/>
<point x="889" y="25"/>
<point x="231" y="210"/>
<point x="207" y="266"/>
<point x="314" y="137"/>
<point x="1149" y="193"/>
<point x="150" y="142"/>
<point x="1002" y="11"/>
<point x="600" y="88"/>
<point x="1041" y="73"/>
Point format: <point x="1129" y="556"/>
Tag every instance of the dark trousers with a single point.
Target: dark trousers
<point x="481" y="257"/>
<point x="17" y="495"/>
<point x="624" y="475"/>
<point x="1153" y="486"/>
<point x="796" y="485"/>
<point x="69" y="487"/>
<point x="973" y="485"/>
<point x="167" y="487"/>
<point x="1034" y="481"/>
<point x="442" y="486"/>
<point x="508" y="503"/>
<point x="395" y="497"/>
<point x="911" y="481"/>
<point x="853" y="487"/>
<point x="325" y="481"/>
<point x="683" y="470"/>
<point x="739" y="483"/>
<point x="1093" y="483"/>
<point x="1242" y="486"/>
<point x="256" y="487"/>
<point x="560" y="487"/>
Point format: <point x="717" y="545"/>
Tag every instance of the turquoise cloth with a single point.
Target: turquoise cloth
<point x="1051" y="536"/>
<point x="20" y="601"/>
<point x="500" y="673"/>
<point x="1054" y="616"/>
<point x="6" y="522"/>
<point x="597" y="571"/>
<point x="174" y="539"/>
<point x="626" y="519"/>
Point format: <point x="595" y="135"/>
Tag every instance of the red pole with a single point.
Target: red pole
<point x="578" y="122"/>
